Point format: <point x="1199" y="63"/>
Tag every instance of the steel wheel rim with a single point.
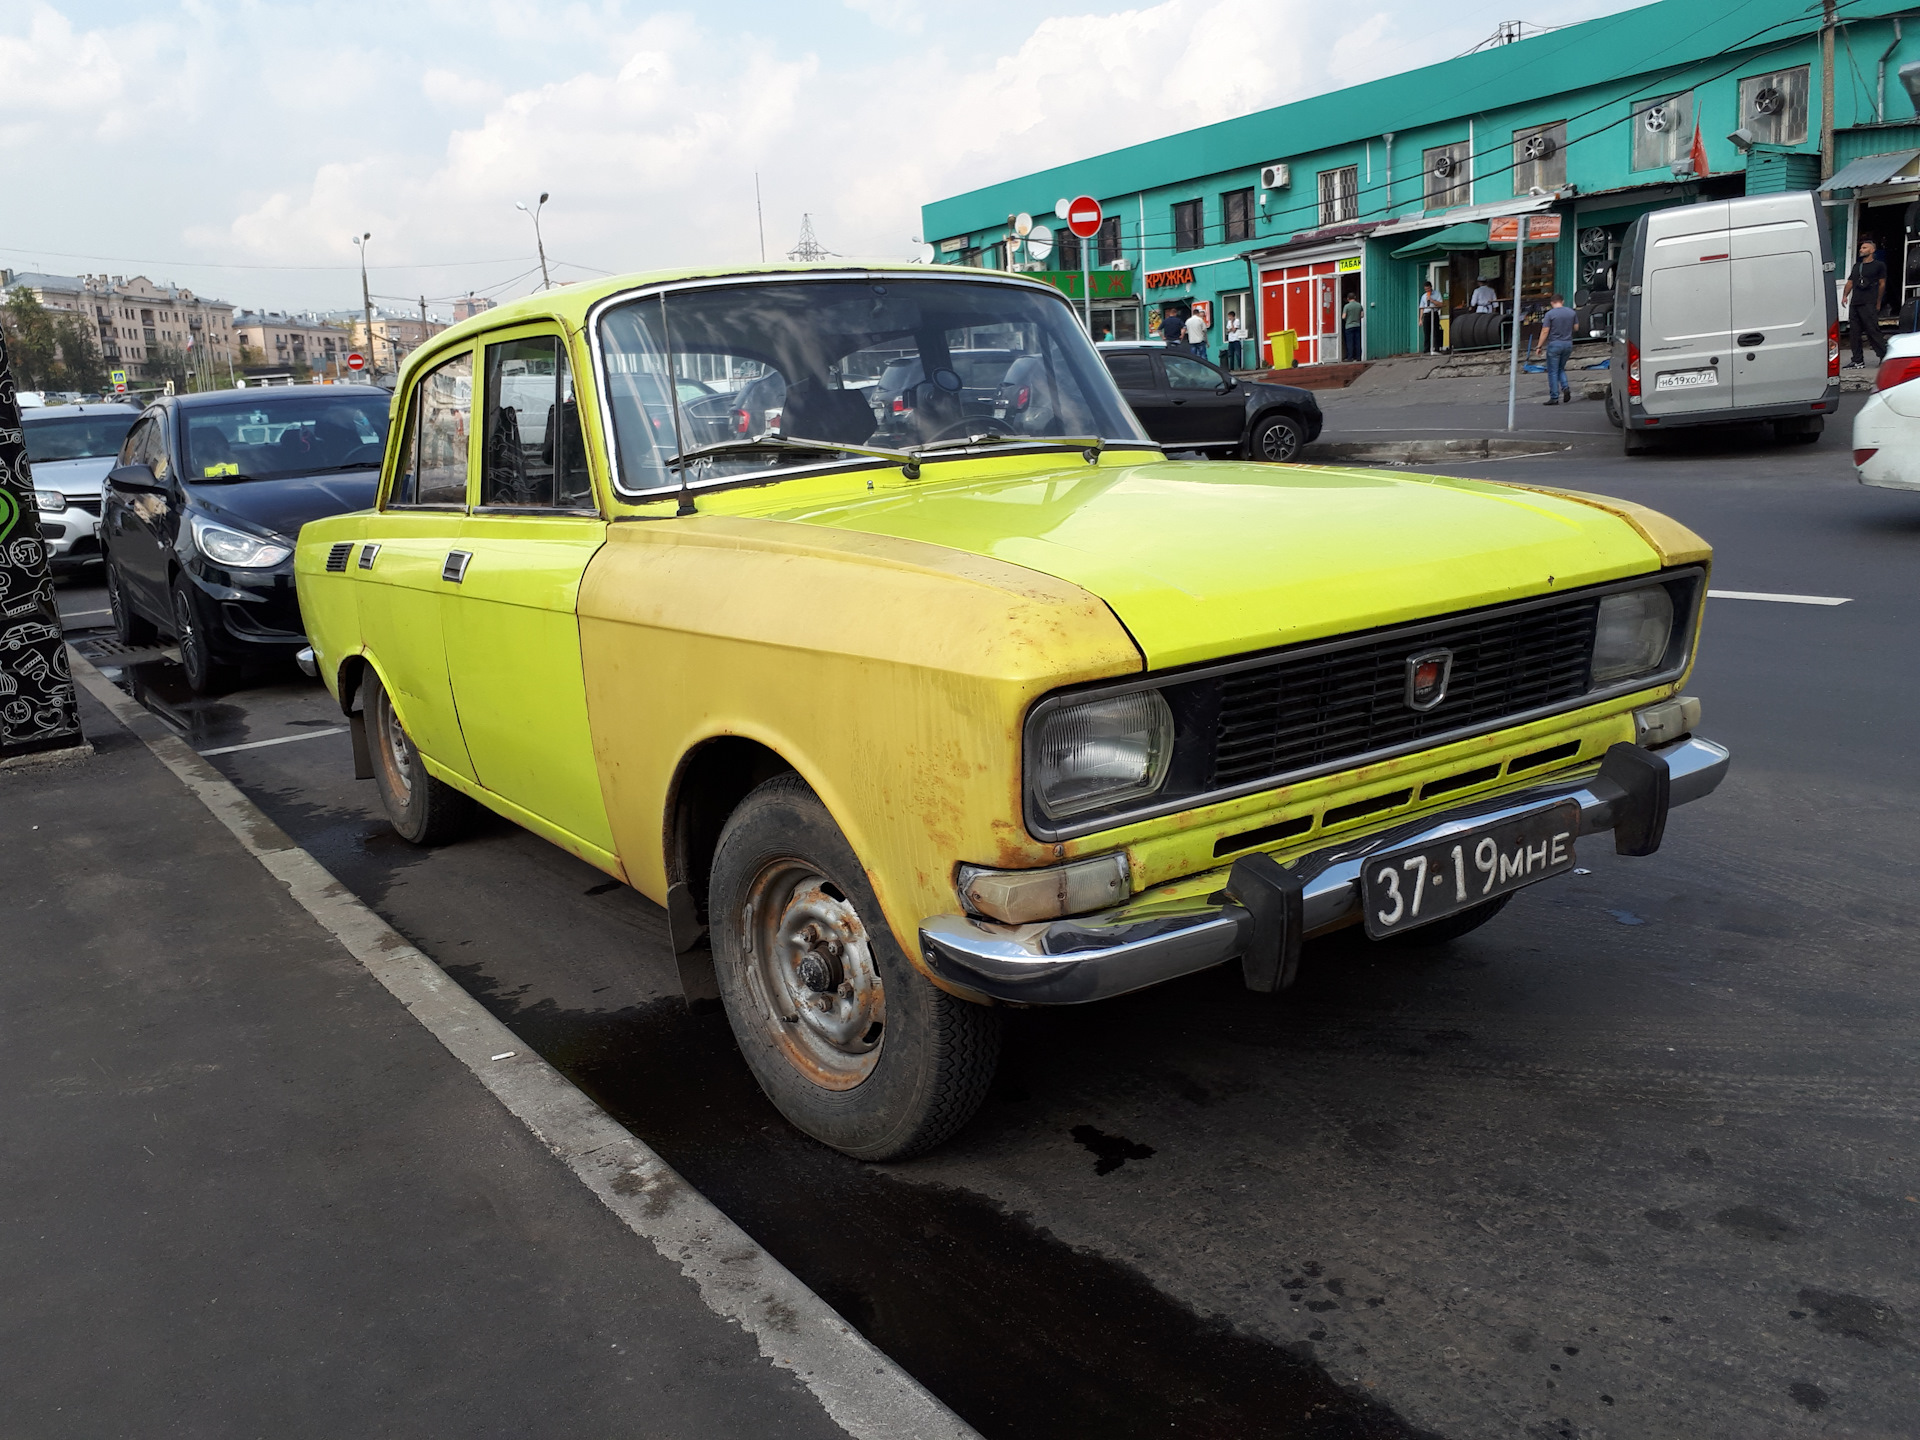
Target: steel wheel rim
<point x="399" y="756"/>
<point x="812" y="975"/>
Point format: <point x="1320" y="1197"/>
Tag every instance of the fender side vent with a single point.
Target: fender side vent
<point x="337" y="556"/>
<point x="1265" y="835"/>
<point x="367" y="552"/>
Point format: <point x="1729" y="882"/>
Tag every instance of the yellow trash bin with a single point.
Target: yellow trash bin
<point x="1283" y="343"/>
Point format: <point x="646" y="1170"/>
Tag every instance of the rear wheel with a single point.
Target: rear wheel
<point x="1278" y="440"/>
<point x="1798" y="431"/>
<point x="1613" y="410"/>
<point x="421" y="809"/>
<point x="1635" y="442"/>
<point x="851" y="1043"/>
<point x="128" y="628"/>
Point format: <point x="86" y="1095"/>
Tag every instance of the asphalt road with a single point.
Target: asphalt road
<point x="1635" y="1160"/>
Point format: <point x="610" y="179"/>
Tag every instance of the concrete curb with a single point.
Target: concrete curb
<point x="860" y="1389"/>
<point x="1428" y="452"/>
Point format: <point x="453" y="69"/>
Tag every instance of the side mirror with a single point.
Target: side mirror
<point x="137" y="479"/>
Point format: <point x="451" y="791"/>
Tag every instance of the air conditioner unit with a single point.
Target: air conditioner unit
<point x="1276" y="176"/>
<point x="1122" y="264"/>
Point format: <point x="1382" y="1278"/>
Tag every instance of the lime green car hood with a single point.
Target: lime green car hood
<point x="1204" y="559"/>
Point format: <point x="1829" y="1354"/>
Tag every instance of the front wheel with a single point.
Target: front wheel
<point x="420" y="808"/>
<point x="192" y="632"/>
<point x="1278" y="440"/>
<point x="851" y="1043"/>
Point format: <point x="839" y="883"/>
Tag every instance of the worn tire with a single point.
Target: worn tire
<point x="129" y="628"/>
<point x="421" y="809"/>
<point x="204" y="674"/>
<point x="882" y="1064"/>
<point x="1613" y="410"/>
<point x="1277" y="440"/>
<point x="1444" y="932"/>
<point x="1635" y="442"/>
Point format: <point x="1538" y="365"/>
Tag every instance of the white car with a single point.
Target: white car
<point x="70" y="449"/>
<point x="1886" y="432"/>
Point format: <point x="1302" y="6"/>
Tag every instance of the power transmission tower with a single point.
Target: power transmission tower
<point x="809" y="247"/>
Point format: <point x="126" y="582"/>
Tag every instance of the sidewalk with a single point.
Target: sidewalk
<point x="245" y="1192"/>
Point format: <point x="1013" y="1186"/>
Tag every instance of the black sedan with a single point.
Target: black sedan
<point x="1187" y="403"/>
<point x="202" y="512"/>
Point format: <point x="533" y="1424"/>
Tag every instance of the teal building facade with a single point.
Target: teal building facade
<point x="1282" y="217"/>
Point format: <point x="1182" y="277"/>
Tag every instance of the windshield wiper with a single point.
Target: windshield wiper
<point x="789" y="444"/>
<point x="994" y="437"/>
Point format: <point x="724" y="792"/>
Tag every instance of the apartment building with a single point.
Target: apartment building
<point x="284" y="340"/>
<point x="138" y="319"/>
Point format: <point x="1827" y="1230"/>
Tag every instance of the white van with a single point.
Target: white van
<point x="1729" y="314"/>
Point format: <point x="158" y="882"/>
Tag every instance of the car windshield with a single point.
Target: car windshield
<point x="257" y="439"/>
<point x="76" y="437"/>
<point x="886" y="362"/>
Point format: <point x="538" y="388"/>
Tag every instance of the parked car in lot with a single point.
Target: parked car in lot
<point x="1886" y="431"/>
<point x="1187" y="403"/>
<point x="71" y="448"/>
<point x="1729" y="315"/>
<point x="901" y="735"/>
<point x="206" y="502"/>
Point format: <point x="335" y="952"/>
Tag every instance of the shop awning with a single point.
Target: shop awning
<point x="1470" y="236"/>
<point x="1871" y="170"/>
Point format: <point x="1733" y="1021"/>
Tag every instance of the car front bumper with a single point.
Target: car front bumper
<point x="1148" y="940"/>
<point x="71" y="537"/>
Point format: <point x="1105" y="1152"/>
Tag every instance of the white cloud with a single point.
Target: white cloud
<point x="908" y="17"/>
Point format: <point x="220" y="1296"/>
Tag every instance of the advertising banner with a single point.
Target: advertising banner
<point x="1107" y="284"/>
<point x="37" y="707"/>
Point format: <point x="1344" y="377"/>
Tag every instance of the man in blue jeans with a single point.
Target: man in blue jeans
<point x="1556" y="330"/>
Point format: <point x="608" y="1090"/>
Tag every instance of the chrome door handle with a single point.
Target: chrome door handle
<point x="456" y="567"/>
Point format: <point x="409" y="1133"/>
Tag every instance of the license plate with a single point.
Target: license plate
<point x="1404" y="889"/>
<point x="1685" y="379"/>
<point x="999" y="412"/>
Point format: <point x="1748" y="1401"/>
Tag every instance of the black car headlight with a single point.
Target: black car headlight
<point x="1095" y="754"/>
<point x="1632" y="633"/>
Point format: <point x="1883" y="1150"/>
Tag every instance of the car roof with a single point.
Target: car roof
<point x="54" y="412"/>
<point x="217" y="397"/>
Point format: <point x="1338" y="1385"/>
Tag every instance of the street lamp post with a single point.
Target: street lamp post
<point x="545" y="283"/>
<point x="366" y="295"/>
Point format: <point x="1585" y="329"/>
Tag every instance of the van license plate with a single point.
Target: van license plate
<point x="1685" y="379"/>
<point x="1405" y="889"/>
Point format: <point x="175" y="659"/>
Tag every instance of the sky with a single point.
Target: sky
<point x="237" y="148"/>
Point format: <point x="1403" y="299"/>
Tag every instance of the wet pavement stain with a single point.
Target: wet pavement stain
<point x="1110" y="1151"/>
<point x="1024" y="1336"/>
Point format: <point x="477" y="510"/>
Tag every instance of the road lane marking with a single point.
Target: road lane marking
<point x="76" y="614"/>
<point x="1783" y="599"/>
<point x="278" y="740"/>
<point x="864" y="1392"/>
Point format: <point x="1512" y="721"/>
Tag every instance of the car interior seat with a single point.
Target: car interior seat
<point x="815" y="412"/>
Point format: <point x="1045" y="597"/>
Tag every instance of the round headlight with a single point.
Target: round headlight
<point x="1634" y="630"/>
<point x="237" y="548"/>
<point x="1100" y="753"/>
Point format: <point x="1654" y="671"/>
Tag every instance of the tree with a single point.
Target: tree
<point x="31" y="341"/>
<point x="165" y="363"/>
<point x="80" y="355"/>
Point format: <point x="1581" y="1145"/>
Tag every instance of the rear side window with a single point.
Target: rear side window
<point x="532" y="450"/>
<point x="433" y="460"/>
<point x="1131" y="372"/>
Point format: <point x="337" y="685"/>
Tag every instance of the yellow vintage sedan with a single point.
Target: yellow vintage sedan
<point x="913" y="701"/>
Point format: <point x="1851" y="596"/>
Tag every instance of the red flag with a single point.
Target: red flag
<point x="1699" y="155"/>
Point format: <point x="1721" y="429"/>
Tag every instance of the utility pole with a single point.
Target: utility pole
<point x="545" y="282"/>
<point x="1826" y="88"/>
<point x="366" y="295"/>
<point x="760" y="216"/>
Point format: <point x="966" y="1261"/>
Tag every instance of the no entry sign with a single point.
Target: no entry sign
<point x="356" y="361"/>
<point x="1083" y="216"/>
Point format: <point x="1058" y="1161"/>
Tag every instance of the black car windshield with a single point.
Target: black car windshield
<point x="299" y="434"/>
<point x="887" y="362"/>
<point x="76" y="437"/>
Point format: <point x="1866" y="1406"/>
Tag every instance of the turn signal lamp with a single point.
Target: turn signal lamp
<point x="1021" y="897"/>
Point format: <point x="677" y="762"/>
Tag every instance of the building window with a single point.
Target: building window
<point x="1066" y="249"/>
<point x="1774" y="107"/>
<point x="1107" y="242"/>
<point x="1662" y="131"/>
<point x="1339" y="195"/>
<point x="1449" y="172"/>
<point x="1236" y="213"/>
<point x="1186" y="225"/>
<point x="1540" y="158"/>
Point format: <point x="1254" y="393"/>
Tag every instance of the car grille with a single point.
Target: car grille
<point x="1315" y="711"/>
<point x="88" y="503"/>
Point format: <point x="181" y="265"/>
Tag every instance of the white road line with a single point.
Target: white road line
<point x="1783" y="599"/>
<point x="279" y="740"/>
<point x="76" y="614"/>
<point x="861" y="1389"/>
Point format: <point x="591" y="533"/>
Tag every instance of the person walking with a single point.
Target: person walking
<point x="1429" y="318"/>
<point x="1556" y="331"/>
<point x="1197" y="333"/>
<point x="1170" y="327"/>
<point x="1351" y="314"/>
<point x="1865" y="286"/>
<point x="1236" y="337"/>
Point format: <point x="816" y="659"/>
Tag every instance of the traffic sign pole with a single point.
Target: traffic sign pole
<point x="1083" y="219"/>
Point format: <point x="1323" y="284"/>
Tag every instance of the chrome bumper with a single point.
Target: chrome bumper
<point x="1146" y="941"/>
